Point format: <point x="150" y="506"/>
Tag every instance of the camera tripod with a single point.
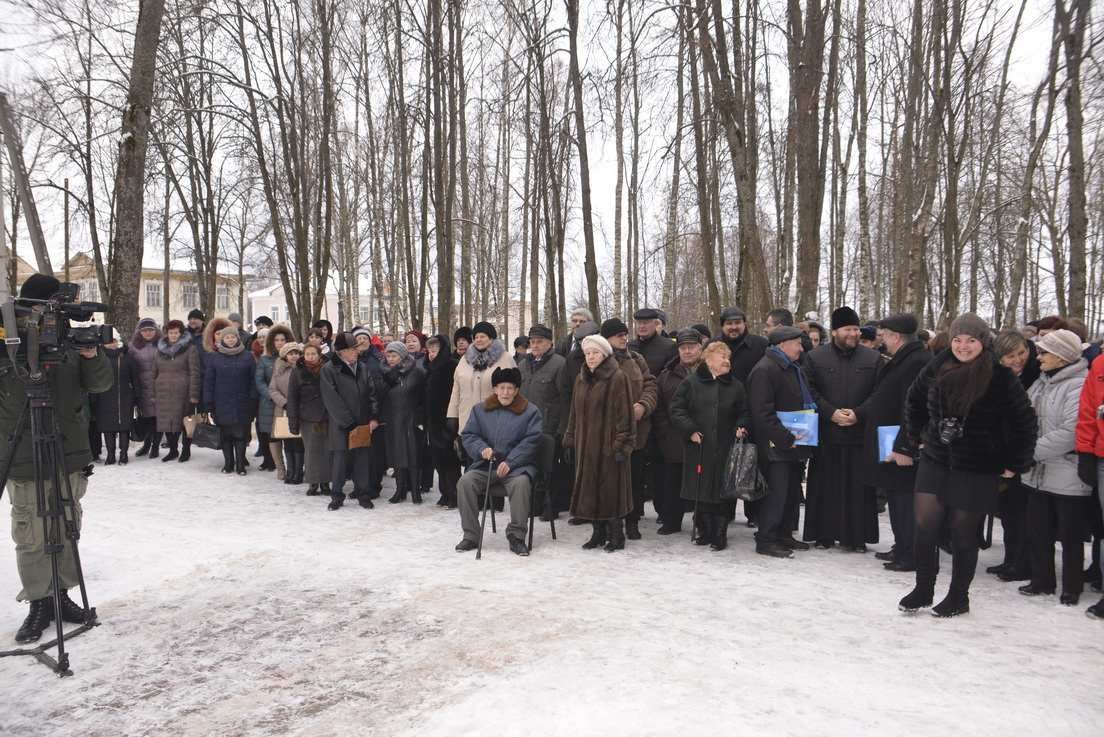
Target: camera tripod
<point x="56" y="508"/>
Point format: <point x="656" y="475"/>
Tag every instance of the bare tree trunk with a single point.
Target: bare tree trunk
<point x="590" y="264"/>
<point x="1073" y="34"/>
<point x="125" y="270"/>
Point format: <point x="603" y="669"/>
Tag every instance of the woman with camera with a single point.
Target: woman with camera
<point x="176" y="378"/>
<point x="974" y="424"/>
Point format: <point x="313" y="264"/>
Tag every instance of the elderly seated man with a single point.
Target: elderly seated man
<point x="504" y="433"/>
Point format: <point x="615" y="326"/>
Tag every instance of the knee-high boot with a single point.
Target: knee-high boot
<point x="228" y="456"/>
<point x="155" y="445"/>
<point x="124" y="448"/>
<point x="174" y="442"/>
<point x="109" y="441"/>
<point x="597" y="536"/>
<point x="616" y="539"/>
<point x="276" y="451"/>
<point x="239" y="457"/>
<point x="186" y="451"/>
<point x="267" y="464"/>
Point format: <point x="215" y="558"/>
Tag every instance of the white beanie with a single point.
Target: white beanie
<point x="597" y="341"/>
<point x="1063" y="343"/>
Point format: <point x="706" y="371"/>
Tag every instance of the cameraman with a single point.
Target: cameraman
<point x="70" y="380"/>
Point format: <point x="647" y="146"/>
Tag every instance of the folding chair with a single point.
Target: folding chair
<point x="546" y="467"/>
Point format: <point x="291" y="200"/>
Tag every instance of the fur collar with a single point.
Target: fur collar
<point x="517" y="406"/>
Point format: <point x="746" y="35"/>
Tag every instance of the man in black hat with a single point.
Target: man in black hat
<point x="895" y="472"/>
<point x="839" y="507"/>
<point x="521" y="348"/>
<point x="349" y="395"/>
<point x="196" y="322"/>
<point x="71" y="380"/>
<point x="746" y="349"/>
<point x="540" y="383"/>
<point x="777" y="384"/>
<point x="658" y="350"/>
<point x="645" y="462"/>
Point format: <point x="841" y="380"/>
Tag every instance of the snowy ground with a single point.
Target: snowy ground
<point x="243" y="607"/>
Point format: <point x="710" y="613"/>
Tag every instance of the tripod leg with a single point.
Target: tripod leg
<point x="532" y="499"/>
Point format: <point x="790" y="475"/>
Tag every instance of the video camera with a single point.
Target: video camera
<point x="44" y="327"/>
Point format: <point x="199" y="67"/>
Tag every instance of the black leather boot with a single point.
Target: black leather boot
<point x="704" y="529"/>
<point x="155" y="445"/>
<point x="597" y="536"/>
<point x="312" y="490"/>
<point x="921" y="596"/>
<point x="38" y="619"/>
<point x="616" y="539"/>
<point x="720" y="533"/>
<point x="186" y="451"/>
<point x="174" y="441"/>
<point x="228" y="457"/>
<point x="239" y="457"/>
<point x="73" y="612"/>
<point x="632" y="528"/>
<point x="124" y="448"/>
<point x="145" y="446"/>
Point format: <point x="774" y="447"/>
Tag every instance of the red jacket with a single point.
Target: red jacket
<point x="1090" y="424"/>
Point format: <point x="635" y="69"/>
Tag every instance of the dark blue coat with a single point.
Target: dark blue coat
<point x="229" y="390"/>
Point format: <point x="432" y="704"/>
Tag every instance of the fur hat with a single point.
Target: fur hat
<point x="486" y="328"/>
<point x="540" y="331"/>
<point x="344" y="341"/>
<point x="843" y="317"/>
<point x="613" y="327"/>
<point x="506" y="376"/>
<point x="972" y="325"/>
<point x="146" y="322"/>
<point x="522" y="341"/>
<point x="1063" y="343"/>
<point x="703" y="329"/>
<point x="597" y="341"/>
<point x="263" y="321"/>
<point x="289" y="347"/>
<point x="197" y="315"/>
<point x="464" y="333"/>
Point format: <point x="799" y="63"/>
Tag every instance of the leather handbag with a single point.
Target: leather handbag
<point x="281" y="429"/>
<point x="208" y="436"/>
<point x="360" y="437"/>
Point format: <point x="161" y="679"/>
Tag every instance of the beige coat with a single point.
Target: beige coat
<point x="471" y="387"/>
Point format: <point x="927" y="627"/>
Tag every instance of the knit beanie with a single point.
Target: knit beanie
<point x="397" y="347"/>
<point x="844" y="317"/>
<point x="972" y="325"/>
<point x="597" y="341"/>
<point x="1063" y="343"/>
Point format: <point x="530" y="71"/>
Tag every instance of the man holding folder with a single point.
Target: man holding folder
<point x="349" y="394"/>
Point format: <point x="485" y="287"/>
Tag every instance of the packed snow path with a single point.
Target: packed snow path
<point x="242" y="607"/>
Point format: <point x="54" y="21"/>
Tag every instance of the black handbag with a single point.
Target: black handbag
<point x="208" y="436"/>
<point x="742" y="478"/>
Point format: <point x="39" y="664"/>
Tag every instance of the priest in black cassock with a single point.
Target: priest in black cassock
<point x="839" y="506"/>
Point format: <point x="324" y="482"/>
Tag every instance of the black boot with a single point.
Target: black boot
<point x="269" y="463"/>
<point x="312" y="490"/>
<point x="704" y="529"/>
<point x="597" y="536"/>
<point x="398" y="496"/>
<point x="109" y="441"/>
<point x="416" y="497"/>
<point x="956" y="602"/>
<point x="145" y="446"/>
<point x="228" y="457"/>
<point x="73" y="612"/>
<point x="720" y="533"/>
<point x="124" y="448"/>
<point x="616" y="536"/>
<point x="920" y="597"/>
<point x="155" y="444"/>
<point x="239" y="457"/>
<point x="174" y="441"/>
<point x="38" y="619"/>
<point x="300" y="462"/>
<point x="632" y="528"/>
<point x="186" y="451"/>
<point x="336" y="502"/>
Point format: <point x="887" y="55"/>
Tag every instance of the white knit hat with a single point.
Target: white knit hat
<point x="1063" y="343"/>
<point x="597" y="341"/>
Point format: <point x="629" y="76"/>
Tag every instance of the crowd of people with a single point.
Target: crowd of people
<point x="948" y="430"/>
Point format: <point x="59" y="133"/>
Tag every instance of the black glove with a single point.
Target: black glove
<point x="349" y="429"/>
<point x="619" y="457"/>
<point x="453" y="425"/>
<point x="1086" y="468"/>
<point x="569" y="455"/>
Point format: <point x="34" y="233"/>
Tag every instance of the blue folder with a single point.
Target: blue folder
<point x="887" y="436"/>
<point x="804" y="425"/>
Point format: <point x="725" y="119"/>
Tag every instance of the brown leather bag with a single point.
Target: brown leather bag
<point x="360" y="437"/>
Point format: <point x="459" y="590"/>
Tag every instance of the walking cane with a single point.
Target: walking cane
<point x="697" y="492"/>
<point x="486" y="503"/>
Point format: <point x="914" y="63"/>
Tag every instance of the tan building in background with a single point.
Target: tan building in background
<point x="182" y="297"/>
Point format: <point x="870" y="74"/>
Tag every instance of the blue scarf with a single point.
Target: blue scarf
<point x="806" y="395"/>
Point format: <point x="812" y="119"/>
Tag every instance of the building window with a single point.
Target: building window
<point x="222" y="298"/>
<point x="90" y="291"/>
<point x="275" y="314"/>
<point x="153" y="295"/>
<point x="190" y="296"/>
<point x="365" y="315"/>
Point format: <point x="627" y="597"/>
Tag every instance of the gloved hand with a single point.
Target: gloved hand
<point x="569" y="455"/>
<point x="453" y="425"/>
<point x="1086" y="468"/>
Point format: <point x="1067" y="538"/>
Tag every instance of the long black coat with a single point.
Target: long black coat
<point x="114" y="408"/>
<point x="304" y="398"/>
<point x="1000" y="429"/>
<point x="573" y="364"/>
<point x="886" y="406"/>
<point x="773" y="388"/>
<point x="438" y="389"/>
<point x="667" y="436"/>
<point x="840" y="379"/>
<point x="402" y="402"/>
<point x="715" y="408"/>
<point x="229" y="391"/>
<point x="657" y="351"/>
<point x="746" y="352"/>
<point x="541" y="385"/>
<point x="350" y="400"/>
